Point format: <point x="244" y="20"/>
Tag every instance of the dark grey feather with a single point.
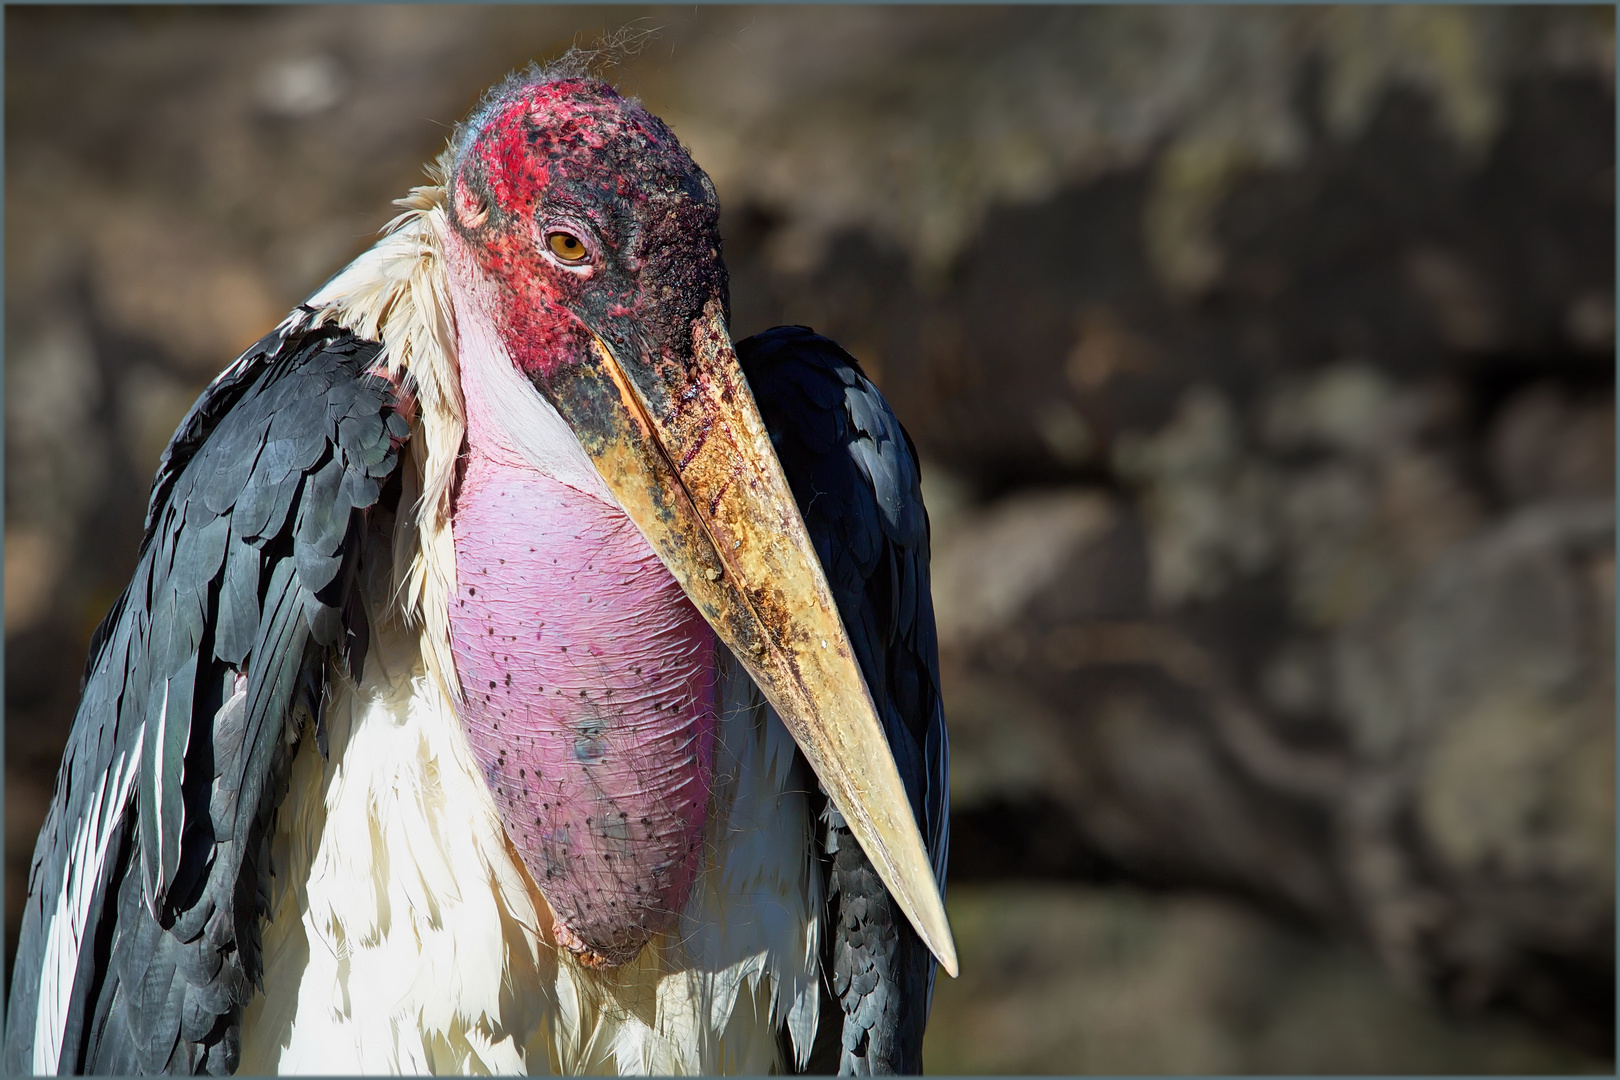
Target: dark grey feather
<point x="219" y="491"/>
<point x="302" y="419"/>
<point x="292" y="489"/>
<point x="238" y="602"/>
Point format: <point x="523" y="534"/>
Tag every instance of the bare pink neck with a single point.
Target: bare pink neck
<point x="587" y="675"/>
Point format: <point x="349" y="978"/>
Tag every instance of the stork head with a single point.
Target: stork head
<point x="596" y="241"/>
<point x="595" y="221"/>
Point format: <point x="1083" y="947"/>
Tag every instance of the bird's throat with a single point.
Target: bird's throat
<point x="588" y="699"/>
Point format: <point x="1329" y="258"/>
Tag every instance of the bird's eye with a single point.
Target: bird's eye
<point x="567" y="247"/>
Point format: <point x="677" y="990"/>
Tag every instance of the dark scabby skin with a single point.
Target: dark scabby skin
<point x="573" y="155"/>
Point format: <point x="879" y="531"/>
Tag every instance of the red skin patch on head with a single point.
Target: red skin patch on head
<point x="576" y="156"/>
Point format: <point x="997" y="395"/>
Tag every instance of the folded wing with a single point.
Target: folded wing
<point x="140" y="938"/>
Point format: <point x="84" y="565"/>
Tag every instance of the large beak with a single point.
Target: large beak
<point x="685" y="452"/>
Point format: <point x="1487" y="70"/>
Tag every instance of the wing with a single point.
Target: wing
<point x="854" y="474"/>
<point x="140" y="937"/>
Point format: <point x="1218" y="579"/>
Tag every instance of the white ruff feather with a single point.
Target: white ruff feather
<point x="405" y="933"/>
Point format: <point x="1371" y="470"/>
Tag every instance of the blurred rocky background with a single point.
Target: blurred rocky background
<point x="1263" y="364"/>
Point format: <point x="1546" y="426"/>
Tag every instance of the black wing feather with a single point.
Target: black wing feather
<point x="240" y="601"/>
<point x="854" y="475"/>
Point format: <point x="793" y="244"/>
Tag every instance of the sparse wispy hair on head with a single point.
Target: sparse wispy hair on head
<point x="576" y="62"/>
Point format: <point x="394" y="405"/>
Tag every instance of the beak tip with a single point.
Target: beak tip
<point x="924" y="906"/>
<point x="942" y="944"/>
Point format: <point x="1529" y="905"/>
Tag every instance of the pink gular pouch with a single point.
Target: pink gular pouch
<point x="588" y="680"/>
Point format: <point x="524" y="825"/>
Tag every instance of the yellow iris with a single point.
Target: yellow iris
<point x="566" y="246"/>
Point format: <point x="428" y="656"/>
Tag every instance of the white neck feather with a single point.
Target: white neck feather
<point x="507" y="418"/>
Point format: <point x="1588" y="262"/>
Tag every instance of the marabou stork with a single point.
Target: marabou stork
<point x="494" y="623"/>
